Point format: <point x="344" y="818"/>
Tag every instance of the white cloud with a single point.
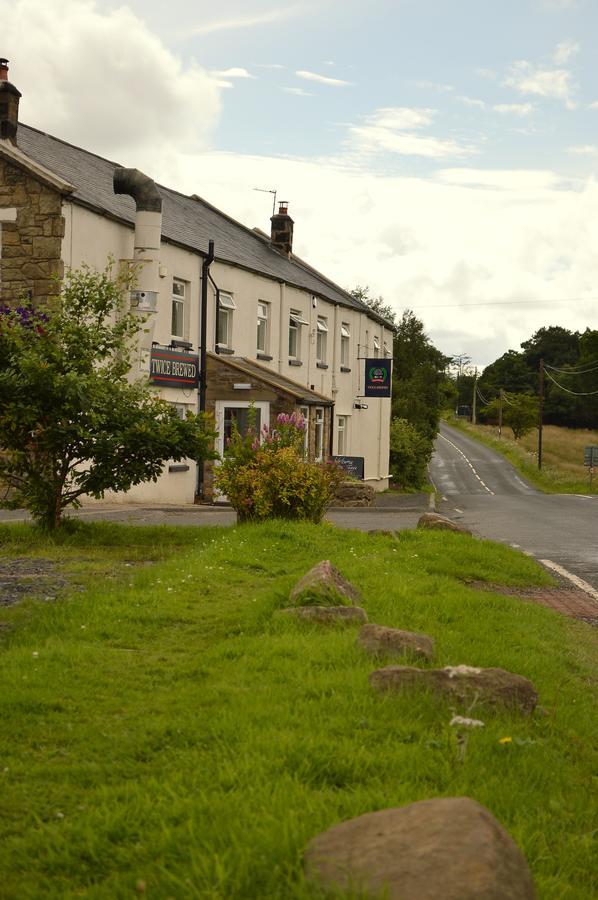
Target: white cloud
<point x="389" y="130"/>
<point x="472" y="101"/>
<point x="235" y="72"/>
<point x="584" y="150"/>
<point x="321" y="79"/>
<point x="564" y="51"/>
<point x="516" y="109"/>
<point x="593" y="105"/>
<point x="239" y="22"/>
<point x="556" y="83"/>
<point x="116" y="101"/>
<point x="298" y="92"/>
<point x="434" y="86"/>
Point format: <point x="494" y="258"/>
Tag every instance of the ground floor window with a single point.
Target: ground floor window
<point x="319" y="434"/>
<point x="341" y="435"/>
<point x="304" y="410"/>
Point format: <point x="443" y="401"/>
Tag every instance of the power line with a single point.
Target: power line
<point x="581" y="370"/>
<point x="575" y="393"/>
<point x="508" y="303"/>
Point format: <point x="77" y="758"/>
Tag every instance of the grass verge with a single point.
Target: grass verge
<point x="164" y="728"/>
<point x="562" y="470"/>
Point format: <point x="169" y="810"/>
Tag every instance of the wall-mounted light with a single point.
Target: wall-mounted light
<point x="360" y="406"/>
<point x="242" y="387"/>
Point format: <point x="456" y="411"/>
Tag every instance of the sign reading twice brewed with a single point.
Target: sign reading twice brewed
<point x="174" y="368"/>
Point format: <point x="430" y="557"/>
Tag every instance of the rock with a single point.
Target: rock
<point x="378" y="640"/>
<point x="324" y="586"/>
<point x="449" y="848"/>
<point x="333" y="615"/>
<point x="465" y="683"/>
<point x="441" y="523"/>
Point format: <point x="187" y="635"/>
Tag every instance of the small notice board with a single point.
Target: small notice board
<point x="590" y="456"/>
<point x="353" y="465"/>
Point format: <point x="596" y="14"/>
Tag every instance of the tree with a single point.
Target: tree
<point x="71" y="423"/>
<point x="519" y="412"/>
<point x="377" y="304"/>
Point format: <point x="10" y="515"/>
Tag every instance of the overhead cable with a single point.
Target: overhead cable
<point x="580" y="370"/>
<point x="575" y="393"/>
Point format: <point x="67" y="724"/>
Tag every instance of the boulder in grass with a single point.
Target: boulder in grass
<point x="328" y="615"/>
<point x="378" y="640"/>
<point x="449" y="848"/>
<point x="493" y="687"/>
<point x="324" y="586"/>
<point x="437" y="522"/>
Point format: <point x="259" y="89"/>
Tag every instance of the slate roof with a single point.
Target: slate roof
<point x="249" y="367"/>
<point x="188" y="221"/>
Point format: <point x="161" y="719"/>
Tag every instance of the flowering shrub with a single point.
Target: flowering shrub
<point x="266" y="476"/>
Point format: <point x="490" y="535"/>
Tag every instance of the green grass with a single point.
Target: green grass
<point x="165" y="726"/>
<point x="562" y="455"/>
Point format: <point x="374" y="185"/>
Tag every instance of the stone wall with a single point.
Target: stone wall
<point x="31" y="247"/>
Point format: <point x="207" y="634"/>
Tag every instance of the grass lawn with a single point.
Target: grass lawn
<point x="563" y="471"/>
<point x="165" y="734"/>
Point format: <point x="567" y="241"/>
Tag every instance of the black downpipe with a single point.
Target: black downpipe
<point x="203" y="350"/>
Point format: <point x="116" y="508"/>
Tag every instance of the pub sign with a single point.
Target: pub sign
<point x="174" y="368"/>
<point x="377" y="377"/>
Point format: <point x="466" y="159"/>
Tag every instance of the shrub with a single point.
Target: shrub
<point x="269" y="478"/>
<point x="410" y="452"/>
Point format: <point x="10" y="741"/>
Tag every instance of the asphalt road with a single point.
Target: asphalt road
<point x="480" y="488"/>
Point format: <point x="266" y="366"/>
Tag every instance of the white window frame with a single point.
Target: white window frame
<point x="319" y="434"/>
<point x="226" y="306"/>
<point x="387" y="353"/>
<point x="345" y="344"/>
<point x="342" y="431"/>
<point x="376" y="347"/>
<point x="263" y="319"/>
<point x="180" y="408"/>
<point x="178" y="308"/>
<point x="296" y="320"/>
<point x="304" y="410"/>
<point x="321" y="339"/>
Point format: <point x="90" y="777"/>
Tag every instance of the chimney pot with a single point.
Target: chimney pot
<point x="281" y="235"/>
<point x="9" y="105"/>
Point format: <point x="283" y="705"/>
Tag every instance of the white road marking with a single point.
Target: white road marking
<point x="574" y="579"/>
<point x="471" y="466"/>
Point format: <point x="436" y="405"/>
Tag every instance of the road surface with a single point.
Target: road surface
<point x="481" y="489"/>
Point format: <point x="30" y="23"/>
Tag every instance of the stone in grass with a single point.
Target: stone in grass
<point x="441" y="523"/>
<point x="448" y="848"/>
<point x="463" y="683"/>
<point x="378" y="640"/>
<point x="328" y="615"/>
<point x="324" y="586"/>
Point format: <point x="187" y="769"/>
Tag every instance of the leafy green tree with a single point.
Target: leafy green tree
<point x="509" y="372"/>
<point x="410" y="452"/>
<point x="71" y="421"/>
<point x="519" y="413"/>
<point x="421" y="387"/>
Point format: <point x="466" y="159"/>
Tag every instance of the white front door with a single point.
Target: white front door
<point x="228" y="412"/>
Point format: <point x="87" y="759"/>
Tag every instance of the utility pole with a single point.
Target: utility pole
<point x="475" y="397"/>
<point x="500" y="402"/>
<point x="540" y="413"/>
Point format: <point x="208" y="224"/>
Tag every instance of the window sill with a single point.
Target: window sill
<point x="264" y="356"/>
<point x="321" y="365"/>
<point x="225" y="351"/>
<point x="295" y="362"/>
<point x="345" y="369"/>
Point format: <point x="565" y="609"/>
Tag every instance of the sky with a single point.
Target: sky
<point x="443" y="153"/>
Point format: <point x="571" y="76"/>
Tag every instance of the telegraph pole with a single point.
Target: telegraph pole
<point x="540" y="413"/>
<point x="500" y="402"/>
<point x="475" y="395"/>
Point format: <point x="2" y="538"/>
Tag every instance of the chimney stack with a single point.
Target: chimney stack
<point x="9" y="105"/>
<point x="282" y="229"/>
